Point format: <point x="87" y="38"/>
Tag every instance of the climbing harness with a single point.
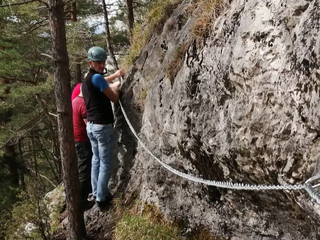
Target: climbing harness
<point x="307" y="186"/>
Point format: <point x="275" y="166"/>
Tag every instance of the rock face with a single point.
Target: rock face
<point x="244" y="107"/>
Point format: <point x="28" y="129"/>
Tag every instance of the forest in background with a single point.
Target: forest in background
<point x="30" y="162"/>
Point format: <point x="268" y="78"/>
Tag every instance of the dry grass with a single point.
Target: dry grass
<point x="175" y="65"/>
<point x="209" y="10"/>
<point x="148" y="225"/>
<point x="138" y="41"/>
<point x="139" y="227"/>
<point x="203" y="234"/>
<point x="170" y="25"/>
<point x="141" y="100"/>
<point x="140" y="221"/>
<point x="158" y="15"/>
<point x="155" y="20"/>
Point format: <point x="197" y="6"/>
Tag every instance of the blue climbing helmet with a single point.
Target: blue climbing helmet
<point x="97" y="54"/>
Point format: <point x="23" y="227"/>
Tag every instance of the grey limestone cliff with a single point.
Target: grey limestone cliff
<point x="243" y="107"/>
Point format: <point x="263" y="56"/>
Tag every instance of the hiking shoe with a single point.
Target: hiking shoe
<point x="90" y="196"/>
<point x="86" y="205"/>
<point x="106" y="203"/>
<point x="109" y="198"/>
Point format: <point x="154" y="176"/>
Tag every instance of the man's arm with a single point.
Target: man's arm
<point x="112" y="77"/>
<point x="115" y="86"/>
<point x="83" y="112"/>
<point x="111" y="92"/>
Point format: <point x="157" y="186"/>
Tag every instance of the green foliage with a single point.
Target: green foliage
<point x="155" y="18"/>
<point x="134" y="224"/>
<point x="24" y="72"/>
<point x="120" y="40"/>
<point x="142" y="10"/>
<point x="86" y="7"/>
<point x="20" y="63"/>
<point x="144" y="94"/>
<point x="26" y="94"/>
<point x="22" y="42"/>
<point x="57" y="201"/>
<point x="139" y="227"/>
<point x="79" y="40"/>
<point x="23" y="104"/>
<point x="138" y="40"/>
<point x="8" y="197"/>
<point x="139" y="220"/>
<point x="159" y="13"/>
<point x="32" y="211"/>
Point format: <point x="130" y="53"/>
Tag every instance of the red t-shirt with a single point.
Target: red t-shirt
<point x="76" y="91"/>
<point x="78" y="114"/>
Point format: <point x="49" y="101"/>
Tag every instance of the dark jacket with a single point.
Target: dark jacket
<point x="99" y="109"/>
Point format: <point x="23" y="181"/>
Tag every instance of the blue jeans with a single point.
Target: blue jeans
<point x="101" y="138"/>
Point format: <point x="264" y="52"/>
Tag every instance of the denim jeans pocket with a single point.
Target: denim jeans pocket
<point x="102" y="128"/>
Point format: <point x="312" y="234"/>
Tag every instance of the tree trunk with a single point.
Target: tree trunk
<point x="0" y="18"/>
<point x="74" y="11"/>
<point x="130" y="16"/>
<point x="22" y="164"/>
<point x="77" y="229"/>
<point x="108" y="36"/>
<point x="77" y="74"/>
<point x="1" y="47"/>
<point x="12" y="163"/>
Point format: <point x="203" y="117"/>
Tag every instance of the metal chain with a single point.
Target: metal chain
<point x="312" y="193"/>
<point x="237" y="186"/>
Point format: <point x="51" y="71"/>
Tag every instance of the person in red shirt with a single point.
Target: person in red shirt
<point x="76" y="91"/>
<point x="83" y="148"/>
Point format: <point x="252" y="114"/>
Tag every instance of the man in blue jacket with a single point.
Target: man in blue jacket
<point x="98" y="92"/>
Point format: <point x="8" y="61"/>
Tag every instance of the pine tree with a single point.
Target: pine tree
<point x="77" y="229"/>
<point x="28" y="113"/>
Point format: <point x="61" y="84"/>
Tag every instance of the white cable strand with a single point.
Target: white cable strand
<point x="229" y="185"/>
<point x="238" y="186"/>
<point x="313" y="194"/>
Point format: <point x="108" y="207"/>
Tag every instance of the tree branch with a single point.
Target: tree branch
<point x="43" y="2"/>
<point x="16" y="4"/>
<point x="26" y="131"/>
<point x="37" y="25"/>
<point x="46" y="55"/>
<point x="44" y="177"/>
<point x="17" y="80"/>
<point x="44" y="108"/>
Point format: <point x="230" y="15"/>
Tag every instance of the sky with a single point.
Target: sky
<point x="98" y="20"/>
